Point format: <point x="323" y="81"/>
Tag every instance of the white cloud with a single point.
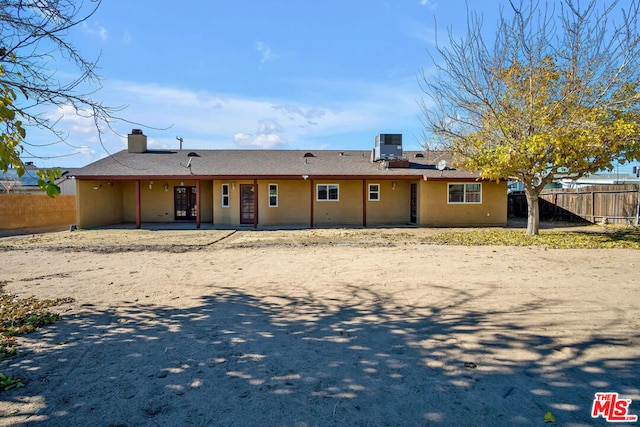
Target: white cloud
<point x="68" y="118"/>
<point x="95" y="30"/>
<point x="264" y="141"/>
<point x="431" y="5"/>
<point x="269" y="126"/>
<point x="293" y="112"/>
<point x="266" y="52"/>
<point x="343" y="114"/>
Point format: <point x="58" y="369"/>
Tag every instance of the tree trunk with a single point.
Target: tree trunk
<point x="533" y="209"/>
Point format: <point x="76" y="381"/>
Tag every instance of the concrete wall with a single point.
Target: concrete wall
<point x="435" y="209"/>
<point x="36" y="210"/>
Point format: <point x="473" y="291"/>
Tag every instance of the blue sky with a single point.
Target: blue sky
<point x="277" y="74"/>
<point x="285" y="74"/>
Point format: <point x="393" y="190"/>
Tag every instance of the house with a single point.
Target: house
<point x="10" y="182"/>
<point x="603" y="179"/>
<point x="385" y="186"/>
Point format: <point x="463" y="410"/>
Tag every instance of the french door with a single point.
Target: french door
<point x="184" y="201"/>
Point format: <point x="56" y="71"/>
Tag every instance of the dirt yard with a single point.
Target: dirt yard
<point x="318" y="328"/>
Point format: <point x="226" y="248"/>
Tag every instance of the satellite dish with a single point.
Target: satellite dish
<point x="442" y="165"/>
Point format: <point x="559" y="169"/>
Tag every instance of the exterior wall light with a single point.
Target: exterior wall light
<point x="166" y="187"/>
<point x="150" y="185"/>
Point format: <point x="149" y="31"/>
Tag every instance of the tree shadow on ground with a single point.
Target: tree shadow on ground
<point x="238" y="359"/>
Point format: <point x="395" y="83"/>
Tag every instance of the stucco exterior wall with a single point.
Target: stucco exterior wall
<point x="99" y="203"/>
<point x="158" y="203"/>
<point x="394" y="205"/>
<point x="115" y="202"/>
<point x="36" y="210"/>
<point x="345" y="211"/>
<point x="294" y="203"/>
<point x="227" y="215"/>
<point x="435" y="209"/>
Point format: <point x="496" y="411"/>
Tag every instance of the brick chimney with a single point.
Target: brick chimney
<point x="137" y="141"/>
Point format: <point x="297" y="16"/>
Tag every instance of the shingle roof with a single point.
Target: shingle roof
<point x="264" y="163"/>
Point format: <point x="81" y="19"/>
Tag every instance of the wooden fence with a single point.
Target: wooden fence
<point x="612" y="204"/>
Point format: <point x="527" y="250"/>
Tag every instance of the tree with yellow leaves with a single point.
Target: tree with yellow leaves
<point x="556" y="95"/>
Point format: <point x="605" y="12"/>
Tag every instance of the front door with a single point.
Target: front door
<point x="414" y="203"/>
<point x="184" y="202"/>
<point x="247" y="204"/>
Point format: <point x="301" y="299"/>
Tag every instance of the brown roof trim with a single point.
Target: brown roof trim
<point x="460" y="179"/>
<point x="242" y="177"/>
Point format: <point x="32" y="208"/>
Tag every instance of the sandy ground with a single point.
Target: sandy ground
<point x="318" y="328"/>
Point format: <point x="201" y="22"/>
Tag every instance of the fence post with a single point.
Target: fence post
<point x="593" y="206"/>
<point x="638" y="210"/>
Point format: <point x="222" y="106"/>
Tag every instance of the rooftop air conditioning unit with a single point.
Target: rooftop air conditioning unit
<point x="388" y="146"/>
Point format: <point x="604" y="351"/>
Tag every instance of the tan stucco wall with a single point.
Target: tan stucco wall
<point x="294" y="204"/>
<point x="227" y="215"/>
<point x="158" y="204"/>
<point x="129" y="200"/>
<point x="434" y="209"/>
<point x="115" y="202"/>
<point x="99" y="206"/>
<point x="394" y="204"/>
<point x="36" y="210"/>
<point x="346" y="211"/>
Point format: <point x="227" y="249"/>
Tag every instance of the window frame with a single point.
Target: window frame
<point x="225" y="198"/>
<point x="328" y="188"/>
<point x="465" y="193"/>
<point x="376" y="192"/>
<point x="273" y="195"/>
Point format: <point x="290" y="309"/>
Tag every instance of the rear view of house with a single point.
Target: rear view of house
<point x="385" y="186"/>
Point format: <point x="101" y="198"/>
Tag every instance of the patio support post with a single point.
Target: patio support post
<point x="311" y="201"/>
<point x="138" y="205"/>
<point x="198" y="203"/>
<point x="364" y="202"/>
<point x="255" y="203"/>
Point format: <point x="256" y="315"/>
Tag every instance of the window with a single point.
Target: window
<point x="374" y="192"/>
<point x="465" y="193"/>
<point x="326" y="192"/>
<point x="273" y="195"/>
<point x="225" y="195"/>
